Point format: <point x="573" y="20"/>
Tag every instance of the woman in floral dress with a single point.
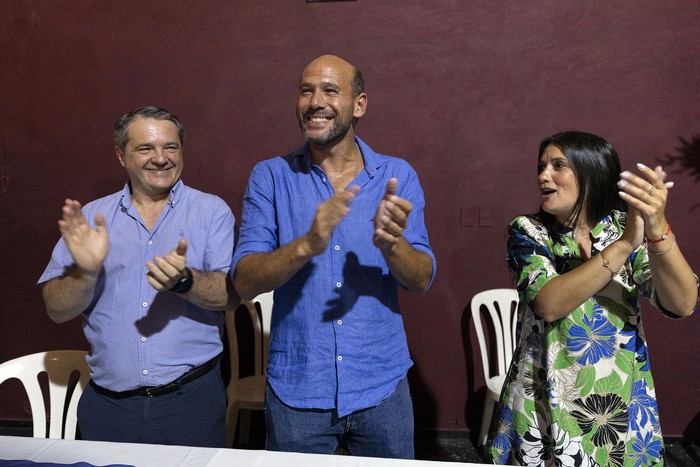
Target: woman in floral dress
<point x="579" y="391"/>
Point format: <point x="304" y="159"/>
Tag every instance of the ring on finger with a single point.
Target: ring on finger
<point x="651" y="190"/>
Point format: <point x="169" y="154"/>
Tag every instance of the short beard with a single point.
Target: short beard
<point x="336" y="132"/>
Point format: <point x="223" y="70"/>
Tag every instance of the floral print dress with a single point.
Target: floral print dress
<point x="579" y="391"/>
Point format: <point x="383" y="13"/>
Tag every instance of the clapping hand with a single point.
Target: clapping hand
<point x="164" y="272"/>
<point x="87" y="246"/>
<point x="646" y="196"/>
<point x="391" y="217"/>
<point x="328" y="216"/>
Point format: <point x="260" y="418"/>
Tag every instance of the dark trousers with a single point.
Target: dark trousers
<point x="193" y="416"/>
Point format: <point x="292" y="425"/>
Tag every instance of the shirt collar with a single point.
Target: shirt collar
<point x="600" y="230"/>
<point x="372" y="163"/>
<point x="176" y="193"/>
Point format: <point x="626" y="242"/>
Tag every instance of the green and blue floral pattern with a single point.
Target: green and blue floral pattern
<point x="579" y="391"/>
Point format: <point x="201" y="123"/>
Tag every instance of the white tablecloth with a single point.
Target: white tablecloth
<point x="148" y="455"/>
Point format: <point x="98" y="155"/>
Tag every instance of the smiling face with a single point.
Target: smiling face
<point x="557" y="184"/>
<point x="327" y="106"/>
<point x="152" y="157"/>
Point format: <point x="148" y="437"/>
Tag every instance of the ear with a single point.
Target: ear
<point x="120" y="155"/>
<point x="360" y="105"/>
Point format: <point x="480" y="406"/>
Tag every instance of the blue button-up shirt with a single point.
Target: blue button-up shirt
<point x="337" y="337"/>
<point x="138" y="336"/>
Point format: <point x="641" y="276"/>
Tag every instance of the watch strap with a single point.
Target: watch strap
<point x="185" y="283"/>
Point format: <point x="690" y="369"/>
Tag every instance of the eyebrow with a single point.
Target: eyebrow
<point x="556" y="159"/>
<point x="151" y="145"/>
<point x="323" y="84"/>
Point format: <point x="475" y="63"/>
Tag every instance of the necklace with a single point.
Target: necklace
<point x="359" y="159"/>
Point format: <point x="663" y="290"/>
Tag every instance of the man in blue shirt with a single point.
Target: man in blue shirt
<point x="334" y="228"/>
<point x="149" y="278"/>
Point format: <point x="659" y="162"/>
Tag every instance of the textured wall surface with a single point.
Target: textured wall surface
<point x="462" y="89"/>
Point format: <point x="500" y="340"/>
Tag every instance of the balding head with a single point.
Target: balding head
<point x="341" y="69"/>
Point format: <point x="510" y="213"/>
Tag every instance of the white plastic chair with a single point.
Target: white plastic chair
<point x="59" y="365"/>
<point x="501" y="305"/>
<point x="247" y="393"/>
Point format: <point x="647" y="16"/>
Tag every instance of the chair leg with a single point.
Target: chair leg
<point x="244" y="429"/>
<point x="489" y="405"/>
<point x="231" y="419"/>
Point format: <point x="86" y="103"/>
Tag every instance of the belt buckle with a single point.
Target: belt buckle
<point x="163" y="390"/>
<point x="158" y="390"/>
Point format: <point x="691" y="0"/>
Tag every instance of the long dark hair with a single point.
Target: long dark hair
<point x="596" y="166"/>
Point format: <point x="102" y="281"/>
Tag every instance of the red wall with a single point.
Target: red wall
<point x="462" y="89"/>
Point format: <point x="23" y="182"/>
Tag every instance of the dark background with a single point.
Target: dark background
<point x="463" y="89"/>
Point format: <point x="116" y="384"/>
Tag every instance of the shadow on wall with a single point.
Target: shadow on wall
<point x="688" y="158"/>
<point x="475" y="398"/>
<point x="691" y="439"/>
<point x="424" y="403"/>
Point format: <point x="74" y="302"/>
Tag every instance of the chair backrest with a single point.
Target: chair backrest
<point x="502" y="308"/>
<point x="260" y="314"/>
<point x="59" y="365"/>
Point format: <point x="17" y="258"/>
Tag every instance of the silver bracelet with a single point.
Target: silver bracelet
<point x="661" y="253"/>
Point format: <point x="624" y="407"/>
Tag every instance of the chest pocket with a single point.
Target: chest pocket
<point x="196" y="245"/>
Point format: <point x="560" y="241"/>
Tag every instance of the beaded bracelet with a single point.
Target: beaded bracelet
<point x="663" y="237"/>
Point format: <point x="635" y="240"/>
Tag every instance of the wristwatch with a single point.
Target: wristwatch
<point x="185" y="282"/>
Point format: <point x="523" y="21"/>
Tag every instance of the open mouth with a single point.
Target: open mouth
<point x="318" y="119"/>
<point x="547" y="191"/>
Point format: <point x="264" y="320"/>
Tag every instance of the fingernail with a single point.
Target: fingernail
<point x="669" y="184"/>
<point x="641" y="166"/>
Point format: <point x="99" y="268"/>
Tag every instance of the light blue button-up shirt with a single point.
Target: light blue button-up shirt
<point x="337" y="338"/>
<point x="138" y="336"/>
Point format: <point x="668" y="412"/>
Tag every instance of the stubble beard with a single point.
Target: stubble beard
<point x="337" y="130"/>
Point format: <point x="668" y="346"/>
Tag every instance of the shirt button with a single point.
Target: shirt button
<point x="145" y="372"/>
<point x="144" y="304"/>
<point x="143" y="339"/>
<point x="323" y="180"/>
<point x="340" y="321"/>
<point x="340" y="357"/>
<point x="150" y="242"/>
<point x="337" y="248"/>
<point x="338" y="284"/>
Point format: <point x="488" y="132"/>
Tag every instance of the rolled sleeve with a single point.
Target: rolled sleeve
<point x="258" y="232"/>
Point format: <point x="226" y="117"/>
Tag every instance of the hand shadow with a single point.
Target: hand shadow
<point x="358" y="280"/>
<point x="167" y="306"/>
<point x="688" y="157"/>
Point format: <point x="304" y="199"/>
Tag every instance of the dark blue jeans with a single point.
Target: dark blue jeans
<point x="195" y="416"/>
<point x="382" y="431"/>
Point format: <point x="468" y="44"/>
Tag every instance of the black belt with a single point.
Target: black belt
<point x="155" y="391"/>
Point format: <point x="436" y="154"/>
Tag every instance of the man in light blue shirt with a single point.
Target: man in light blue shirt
<point x="334" y="228"/>
<point x="146" y="269"/>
